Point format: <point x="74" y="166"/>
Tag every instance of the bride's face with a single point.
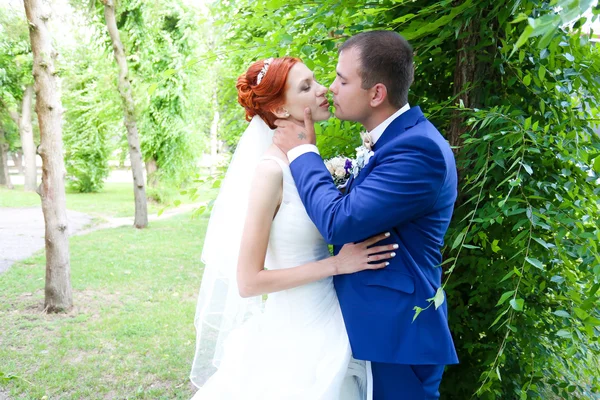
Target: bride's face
<point x="302" y="91"/>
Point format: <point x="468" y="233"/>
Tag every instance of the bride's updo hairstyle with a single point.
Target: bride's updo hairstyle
<point x="265" y="97"/>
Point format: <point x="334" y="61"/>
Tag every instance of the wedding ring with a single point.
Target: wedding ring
<point x="368" y="258"/>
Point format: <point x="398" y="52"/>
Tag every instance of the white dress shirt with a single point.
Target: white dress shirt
<point x="375" y="135"/>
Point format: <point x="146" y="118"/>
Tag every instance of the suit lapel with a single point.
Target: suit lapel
<point x="349" y="184"/>
<point x="405" y="121"/>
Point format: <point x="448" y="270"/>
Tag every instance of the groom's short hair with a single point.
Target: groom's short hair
<point x="387" y="58"/>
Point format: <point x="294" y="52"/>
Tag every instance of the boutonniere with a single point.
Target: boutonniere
<point x="363" y="154"/>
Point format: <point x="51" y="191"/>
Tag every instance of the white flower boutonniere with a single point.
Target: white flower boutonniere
<point x="363" y="154"/>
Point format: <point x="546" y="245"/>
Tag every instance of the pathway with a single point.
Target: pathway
<point x="22" y="229"/>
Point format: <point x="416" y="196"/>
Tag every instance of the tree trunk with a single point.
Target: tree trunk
<point x="59" y="296"/>
<point x="27" y="144"/>
<point x="464" y="75"/>
<point x="135" y="153"/>
<point x="473" y="65"/>
<point x="17" y="158"/>
<point x="4" y="175"/>
<point x="214" y="129"/>
<point x="151" y="169"/>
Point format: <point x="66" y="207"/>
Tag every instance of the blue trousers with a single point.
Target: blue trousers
<point x="406" y="382"/>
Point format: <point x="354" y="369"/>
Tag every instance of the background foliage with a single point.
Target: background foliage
<point x="15" y="72"/>
<point x="514" y="87"/>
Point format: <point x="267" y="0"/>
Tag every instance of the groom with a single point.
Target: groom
<point x="408" y="187"/>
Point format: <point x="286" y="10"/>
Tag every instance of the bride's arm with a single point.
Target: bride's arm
<point x="254" y="280"/>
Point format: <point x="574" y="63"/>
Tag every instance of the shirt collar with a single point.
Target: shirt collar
<point x="379" y="129"/>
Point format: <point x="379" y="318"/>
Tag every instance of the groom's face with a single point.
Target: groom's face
<point x="351" y="101"/>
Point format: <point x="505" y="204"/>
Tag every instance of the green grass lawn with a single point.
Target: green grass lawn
<point x="130" y="334"/>
<point x="115" y="200"/>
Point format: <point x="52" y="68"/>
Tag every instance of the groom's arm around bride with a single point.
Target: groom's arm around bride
<point x="408" y="188"/>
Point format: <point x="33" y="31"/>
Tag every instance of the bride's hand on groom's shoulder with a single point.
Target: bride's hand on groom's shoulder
<point x="290" y="134"/>
<point x="355" y="257"/>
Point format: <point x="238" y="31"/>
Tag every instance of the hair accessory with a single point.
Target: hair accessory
<point x="264" y="70"/>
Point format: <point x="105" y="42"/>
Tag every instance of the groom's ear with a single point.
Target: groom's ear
<point x="378" y="94"/>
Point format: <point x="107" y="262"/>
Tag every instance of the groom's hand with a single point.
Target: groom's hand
<point x="291" y="134"/>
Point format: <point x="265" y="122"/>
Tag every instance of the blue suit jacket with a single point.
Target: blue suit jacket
<point x="408" y="188"/>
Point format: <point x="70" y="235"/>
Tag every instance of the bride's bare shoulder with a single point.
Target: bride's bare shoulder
<point x="268" y="169"/>
<point x="268" y="180"/>
<point x="274" y="151"/>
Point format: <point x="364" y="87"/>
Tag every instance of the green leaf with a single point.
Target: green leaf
<point x="500" y="316"/>
<point x="562" y="313"/>
<point x="152" y="89"/>
<point x="458" y="240"/>
<point x="5" y="378"/>
<point x="505" y="297"/>
<point x="286" y="39"/>
<point x="448" y="260"/>
<point x="517" y="304"/>
<point x="495" y="247"/>
<point x="511" y="273"/>
<point x="403" y="18"/>
<point x="592" y="321"/>
<point x="523" y="395"/>
<point x="519" y="18"/>
<point x="168" y="73"/>
<point x="542" y="72"/>
<point x="542" y="106"/>
<point x="581" y="314"/>
<point x="535" y="262"/>
<point x="597" y="165"/>
<point x="418" y="311"/>
<point x="439" y="297"/>
<point x="318" y="129"/>
<point x="523" y="38"/>
<point x="563" y="333"/>
<point x="545" y="244"/>
<point x="527" y="82"/>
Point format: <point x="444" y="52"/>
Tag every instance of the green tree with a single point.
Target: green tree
<point x="16" y="87"/>
<point x="93" y="117"/>
<point x="166" y="42"/>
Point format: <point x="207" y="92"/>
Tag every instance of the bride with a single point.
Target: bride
<point x="260" y="240"/>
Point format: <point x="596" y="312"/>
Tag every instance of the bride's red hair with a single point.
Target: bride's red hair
<point x="263" y="99"/>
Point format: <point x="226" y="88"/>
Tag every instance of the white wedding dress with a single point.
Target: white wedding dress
<point x="297" y="348"/>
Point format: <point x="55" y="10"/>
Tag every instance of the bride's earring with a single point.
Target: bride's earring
<point x="286" y="115"/>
